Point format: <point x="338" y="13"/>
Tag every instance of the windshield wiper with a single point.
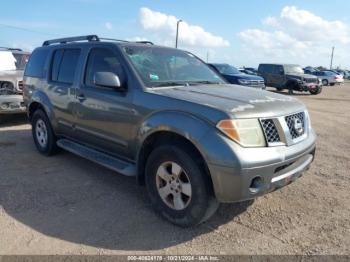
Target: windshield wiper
<point x="170" y="83"/>
<point x="206" y="82"/>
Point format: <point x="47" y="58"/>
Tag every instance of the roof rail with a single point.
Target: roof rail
<point x="10" y="48"/>
<point x="112" y="39"/>
<point x="72" y="39"/>
<point x="145" y="42"/>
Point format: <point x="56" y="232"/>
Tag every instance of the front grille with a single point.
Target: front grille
<point x="311" y="80"/>
<point x="290" y="120"/>
<point x="270" y="130"/>
<point x="257" y="83"/>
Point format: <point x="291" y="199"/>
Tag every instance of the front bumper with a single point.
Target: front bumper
<point x="12" y="104"/>
<point x="308" y="86"/>
<point x="257" y="171"/>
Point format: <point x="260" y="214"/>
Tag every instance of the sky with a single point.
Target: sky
<point x="242" y="33"/>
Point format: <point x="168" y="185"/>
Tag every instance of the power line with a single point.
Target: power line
<point x="27" y="30"/>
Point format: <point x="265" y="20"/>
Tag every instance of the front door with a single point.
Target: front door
<point x="104" y="115"/>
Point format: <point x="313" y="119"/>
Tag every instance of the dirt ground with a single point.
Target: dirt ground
<point x="67" y="205"/>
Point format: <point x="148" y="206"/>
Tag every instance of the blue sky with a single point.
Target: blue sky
<point x="238" y="32"/>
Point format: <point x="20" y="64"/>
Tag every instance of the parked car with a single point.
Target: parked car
<point x="246" y="71"/>
<point x="329" y="77"/>
<point x="234" y="76"/>
<point x="12" y="63"/>
<point x="346" y="74"/>
<point x="251" y="69"/>
<point x="163" y="116"/>
<point x="288" y="76"/>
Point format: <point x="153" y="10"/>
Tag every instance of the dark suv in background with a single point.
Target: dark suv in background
<point x="289" y="76"/>
<point x="234" y="76"/>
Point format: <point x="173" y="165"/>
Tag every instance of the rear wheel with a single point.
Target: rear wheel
<point x="43" y="135"/>
<point x="325" y="82"/>
<point x="178" y="187"/>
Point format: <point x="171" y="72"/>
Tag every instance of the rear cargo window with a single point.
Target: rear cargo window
<point x="36" y="63"/>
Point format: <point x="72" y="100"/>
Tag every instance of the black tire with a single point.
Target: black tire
<point x="325" y="82"/>
<point x="202" y="204"/>
<point x="49" y="148"/>
<point x="315" y="91"/>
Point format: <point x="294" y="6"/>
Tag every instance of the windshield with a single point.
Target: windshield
<point x="227" y="69"/>
<point x="12" y="61"/>
<point x="168" y="67"/>
<point x="293" y="69"/>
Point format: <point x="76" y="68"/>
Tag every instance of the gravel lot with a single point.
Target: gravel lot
<point x="67" y="205"/>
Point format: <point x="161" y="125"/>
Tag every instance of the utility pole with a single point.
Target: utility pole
<point x="207" y="56"/>
<point x="332" y="58"/>
<point x="177" y="31"/>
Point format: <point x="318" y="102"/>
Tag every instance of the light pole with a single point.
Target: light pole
<point x="332" y="58"/>
<point x="177" y="31"/>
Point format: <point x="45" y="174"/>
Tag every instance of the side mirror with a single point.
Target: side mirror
<point x="107" y="79"/>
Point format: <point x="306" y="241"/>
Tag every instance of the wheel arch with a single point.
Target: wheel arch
<point x="173" y="128"/>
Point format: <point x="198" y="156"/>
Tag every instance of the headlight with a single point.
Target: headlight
<point x="243" y="81"/>
<point x="246" y="132"/>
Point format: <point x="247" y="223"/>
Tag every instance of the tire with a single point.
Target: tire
<point x="325" y="82"/>
<point x="332" y="84"/>
<point x="43" y="135"/>
<point x="197" y="200"/>
<point x="315" y="91"/>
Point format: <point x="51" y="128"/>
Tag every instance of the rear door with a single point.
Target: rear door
<point x="61" y="87"/>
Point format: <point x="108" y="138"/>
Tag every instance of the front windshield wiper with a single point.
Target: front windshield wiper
<point x="169" y="83"/>
<point x="206" y="82"/>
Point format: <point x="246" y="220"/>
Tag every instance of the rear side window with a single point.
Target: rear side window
<point x="56" y="62"/>
<point x="36" y="63"/>
<point x="64" y="65"/>
<point x="266" y="68"/>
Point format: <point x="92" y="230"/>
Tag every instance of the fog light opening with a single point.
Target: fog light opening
<point x="256" y="185"/>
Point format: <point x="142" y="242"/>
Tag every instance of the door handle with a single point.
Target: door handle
<point x="81" y="97"/>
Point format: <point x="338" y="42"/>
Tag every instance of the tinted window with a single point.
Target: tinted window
<point x="36" y="64"/>
<point x="226" y="69"/>
<point x="68" y="66"/>
<point x="266" y="68"/>
<point x="21" y="60"/>
<point x="102" y="60"/>
<point x="56" y="62"/>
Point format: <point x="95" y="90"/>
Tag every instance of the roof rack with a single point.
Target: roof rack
<point x="71" y="39"/>
<point x="145" y="42"/>
<point x="112" y="39"/>
<point x="88" y="38"/>
<point x="11" y="49"/>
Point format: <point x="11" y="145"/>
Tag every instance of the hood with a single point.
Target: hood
<point x="245" y="76"/>
<point x="299" y="76"/>
<point x="237" y="101"/>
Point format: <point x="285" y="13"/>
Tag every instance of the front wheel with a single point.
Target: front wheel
<point x="178" y="187"/>
<point x="315" y="91"/>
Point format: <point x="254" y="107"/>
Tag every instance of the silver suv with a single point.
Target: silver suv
<point x="164" y="117"/>
<point x="12" y="63"/>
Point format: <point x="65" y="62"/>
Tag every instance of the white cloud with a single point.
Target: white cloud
<point x="108" y="26"/>
<point x="297" y="35"/>
<point x="164" y="27"/>
<point x="137" y="39"/>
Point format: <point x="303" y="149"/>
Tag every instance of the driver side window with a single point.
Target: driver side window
<point x="102" y="60"/>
